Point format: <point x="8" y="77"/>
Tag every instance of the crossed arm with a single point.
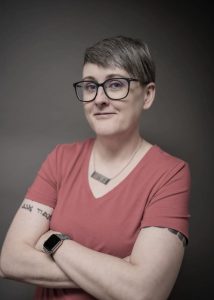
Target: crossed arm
<point x="20" y="260"/>
<point x="149" y="273"/>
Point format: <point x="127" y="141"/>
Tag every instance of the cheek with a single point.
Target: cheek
<point x="134" y="111"/>
<point x="88" y="112"/>
<point x="87" y="109"/>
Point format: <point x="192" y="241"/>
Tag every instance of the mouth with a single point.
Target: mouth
<point x="104" y="115"/>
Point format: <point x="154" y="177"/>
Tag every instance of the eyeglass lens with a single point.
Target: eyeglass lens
<point x="114" y="89"/>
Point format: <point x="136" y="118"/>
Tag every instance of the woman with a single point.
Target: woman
<point x="106" y="218"/>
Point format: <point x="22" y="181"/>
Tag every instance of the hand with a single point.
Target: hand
<point x="43" y="238"/>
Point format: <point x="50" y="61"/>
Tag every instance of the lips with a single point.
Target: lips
<point x="104" y="113"/>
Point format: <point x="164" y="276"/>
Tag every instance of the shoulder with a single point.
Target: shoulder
<point x="164" y="160"/>
<point x="74" y="148"/>
<point x="163" y="166"/>
<point x="66" y="154"/>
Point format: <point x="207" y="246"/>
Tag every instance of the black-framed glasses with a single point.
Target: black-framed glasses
<point x="114" y="88"/>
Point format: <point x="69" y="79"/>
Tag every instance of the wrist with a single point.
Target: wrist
<point x="62" y="251"/>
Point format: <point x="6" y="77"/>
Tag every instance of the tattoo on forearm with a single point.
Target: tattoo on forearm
<point x="27" y="206"/>
<point x="44" y="213"/>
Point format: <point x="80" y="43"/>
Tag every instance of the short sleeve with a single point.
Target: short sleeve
<point x="169" y="202"/>
<point x="44" y="187"/>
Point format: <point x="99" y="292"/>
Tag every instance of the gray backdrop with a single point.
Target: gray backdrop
<point x="41" y="48"/>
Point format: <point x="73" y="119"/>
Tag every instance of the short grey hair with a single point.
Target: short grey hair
<point x="127" y="53"/>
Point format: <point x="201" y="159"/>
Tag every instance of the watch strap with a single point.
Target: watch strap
<point x="63" y="236"/>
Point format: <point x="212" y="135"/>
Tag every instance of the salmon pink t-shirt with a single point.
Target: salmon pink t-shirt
<point x="154" y="193"/>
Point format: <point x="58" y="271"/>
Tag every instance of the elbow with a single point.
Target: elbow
<point x="13" y="260"/>
<point x="2" y="274"/>
<point x="8" y="265"/>
<point x="5" y="267"/>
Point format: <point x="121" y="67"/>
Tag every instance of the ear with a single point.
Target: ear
<point x="149" y="95"/>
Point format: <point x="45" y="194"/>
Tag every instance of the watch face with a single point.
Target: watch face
<point x="51" y="242"/>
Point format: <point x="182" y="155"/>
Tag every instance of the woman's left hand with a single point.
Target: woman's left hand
<point x="43" y="238"/>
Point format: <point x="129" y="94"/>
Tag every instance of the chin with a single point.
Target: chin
<point x="103" y="130"/>
<point x="106" y="128"/>
<point x="107" y="132"/>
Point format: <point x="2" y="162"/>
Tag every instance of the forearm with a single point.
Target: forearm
<point x="57" y="284"/>
<point x="32" y="266"/>
<point x="104" y="276"/>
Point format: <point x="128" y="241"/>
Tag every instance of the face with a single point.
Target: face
<point x="115" y="117"/>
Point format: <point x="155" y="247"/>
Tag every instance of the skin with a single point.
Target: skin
<point x="116" y="123"/>
<point x="151" y="269"/>
<point x="116" y="119"/>
<point x="28" y="225"/>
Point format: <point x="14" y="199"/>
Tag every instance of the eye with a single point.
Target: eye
<point x="89" y="87"/>
<point x="115" y="84"/>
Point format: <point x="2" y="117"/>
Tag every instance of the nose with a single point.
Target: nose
<point x="101" y="97"/>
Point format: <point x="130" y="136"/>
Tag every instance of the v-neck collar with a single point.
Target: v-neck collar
<point x="120" y="185"/>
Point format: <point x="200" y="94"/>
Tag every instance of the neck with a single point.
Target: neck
<point x="113" y="157"/>
<point x="111" y="147"/>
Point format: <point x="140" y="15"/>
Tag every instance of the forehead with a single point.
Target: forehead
<point x="97" y="72"/>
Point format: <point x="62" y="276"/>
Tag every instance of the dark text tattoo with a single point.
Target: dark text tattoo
<point x="179" y="235"/>
<point x="27" y="206"/>
<point x="44" y="213"/>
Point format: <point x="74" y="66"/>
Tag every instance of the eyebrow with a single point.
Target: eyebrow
<point x="107" y="77"/>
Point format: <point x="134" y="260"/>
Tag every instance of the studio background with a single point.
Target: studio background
<point x="41" y="49"/>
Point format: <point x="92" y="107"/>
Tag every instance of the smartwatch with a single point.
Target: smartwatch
<point x="54" y="242"/>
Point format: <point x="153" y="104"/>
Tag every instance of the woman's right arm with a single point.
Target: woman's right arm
<point x="19" y="258"/>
